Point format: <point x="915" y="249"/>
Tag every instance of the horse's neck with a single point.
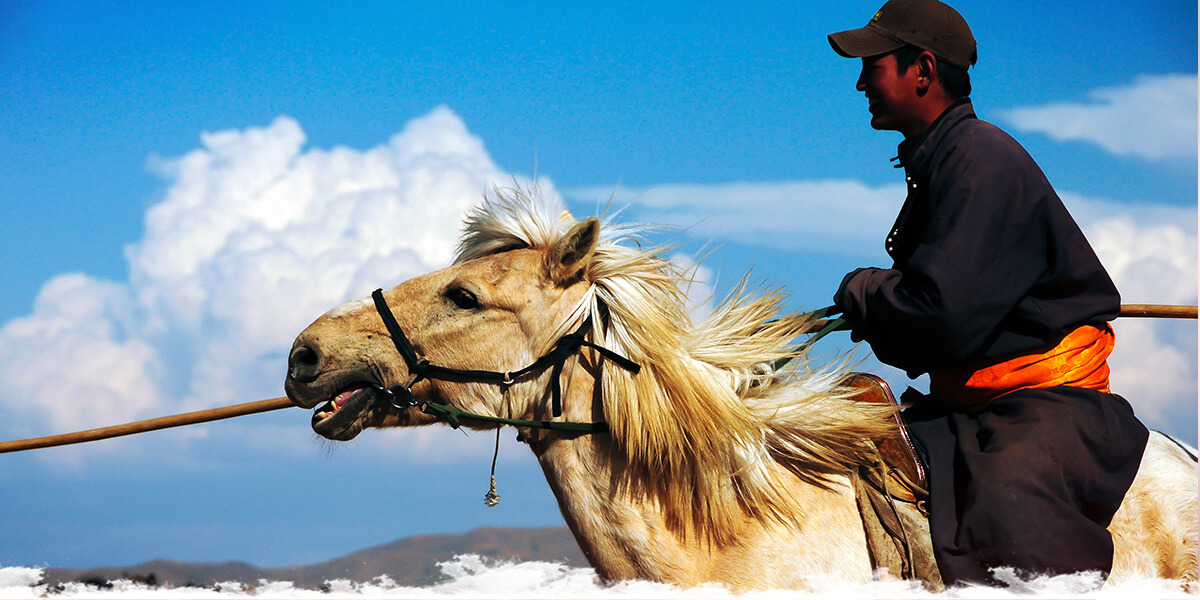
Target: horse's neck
<point x="622" y="537"/>
<point x="626" y="535"/>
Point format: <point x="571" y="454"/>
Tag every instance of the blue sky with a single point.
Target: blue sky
<point x="152" y="155"/>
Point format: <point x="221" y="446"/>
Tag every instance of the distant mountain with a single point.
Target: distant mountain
<point x="410" y="561"/>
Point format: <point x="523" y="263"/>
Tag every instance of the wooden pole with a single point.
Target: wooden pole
<point x="192" y="418"/>
<point x="1159" y="311"/>
<point x="1142" y="311"/>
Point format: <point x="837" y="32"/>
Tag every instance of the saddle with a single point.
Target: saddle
<point x="891" y="496"/>
<point x="906" y="469"/>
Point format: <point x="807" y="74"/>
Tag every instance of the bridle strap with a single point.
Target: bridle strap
<point x="401" y="395"/>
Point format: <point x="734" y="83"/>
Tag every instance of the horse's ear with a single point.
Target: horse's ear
<point x="569" y="256"/>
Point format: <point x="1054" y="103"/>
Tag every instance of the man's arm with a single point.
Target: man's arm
<point x="984" y="248"/>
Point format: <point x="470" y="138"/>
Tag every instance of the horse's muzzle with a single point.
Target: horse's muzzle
<point x="304" y="364"/>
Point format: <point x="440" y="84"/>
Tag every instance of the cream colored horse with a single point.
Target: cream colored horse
<point x="716" y="468"/>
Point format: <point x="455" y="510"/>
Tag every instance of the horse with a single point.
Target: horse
<point x="699" y="454"/>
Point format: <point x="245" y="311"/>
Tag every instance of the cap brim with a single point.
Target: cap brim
<point x="862" y="42"/>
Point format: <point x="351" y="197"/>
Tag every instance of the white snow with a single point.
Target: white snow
<point x="471" y="576"/>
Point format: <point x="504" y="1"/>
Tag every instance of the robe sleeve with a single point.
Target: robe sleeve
<point x="982" y="249"/>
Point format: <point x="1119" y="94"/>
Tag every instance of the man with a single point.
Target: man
<point x="995" y="293"/>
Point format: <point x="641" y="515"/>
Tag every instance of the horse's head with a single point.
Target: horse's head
<point x="497" y="312"/>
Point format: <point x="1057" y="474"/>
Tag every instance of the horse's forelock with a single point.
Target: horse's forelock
<point x="510" y="219"/>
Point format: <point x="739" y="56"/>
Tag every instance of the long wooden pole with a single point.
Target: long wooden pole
<point x="1160" y="311"/>
<point x="192" y="418"/>
<point x="1142" y="311"/>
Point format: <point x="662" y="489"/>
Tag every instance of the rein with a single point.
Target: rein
<point x="822" y="326"/>
<point x="401" y="396"/>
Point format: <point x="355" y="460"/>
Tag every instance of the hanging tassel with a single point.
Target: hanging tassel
<point x="491" y="499"/>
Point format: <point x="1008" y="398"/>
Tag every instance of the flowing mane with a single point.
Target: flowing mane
<point x="707" y="425"/>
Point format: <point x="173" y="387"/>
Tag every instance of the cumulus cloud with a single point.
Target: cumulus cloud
<point x="1149" y="250"/>
<point x="77" y="358"/>
<point x="255" y="237"/>
<point x="1153" y="117"/>
<point x="1151" y="253"/>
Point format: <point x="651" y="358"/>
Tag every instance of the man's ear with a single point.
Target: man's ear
<point x="926" y="67"/>
<point x="570" y="255"/>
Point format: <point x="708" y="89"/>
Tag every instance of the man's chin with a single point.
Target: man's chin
<point x="882" y="123"/>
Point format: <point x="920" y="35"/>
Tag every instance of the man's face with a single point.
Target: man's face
<point x="892" y="96"/>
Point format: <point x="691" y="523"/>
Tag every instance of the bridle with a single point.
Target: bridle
<point x="401" y="396"/>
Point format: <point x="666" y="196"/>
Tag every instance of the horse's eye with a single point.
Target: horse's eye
<point x="462" y="298"/>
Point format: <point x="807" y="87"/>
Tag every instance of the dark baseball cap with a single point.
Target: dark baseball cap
<point x="926" y="24"/>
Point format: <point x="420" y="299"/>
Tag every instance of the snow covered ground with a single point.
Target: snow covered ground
<point x="473" y="577"/>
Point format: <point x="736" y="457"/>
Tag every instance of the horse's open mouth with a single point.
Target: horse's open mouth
<point x="342" y="417"/>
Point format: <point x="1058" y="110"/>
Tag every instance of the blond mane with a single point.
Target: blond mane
<point x="708" y="426"/>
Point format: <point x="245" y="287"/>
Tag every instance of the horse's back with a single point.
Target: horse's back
<point x="1155" y="530"/>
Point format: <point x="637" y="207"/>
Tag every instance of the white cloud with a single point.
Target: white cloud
<point x="698" y="292"/>
<point x="821" y="215"/>
<point x="1156" y="375"/>
<point x="1154" y="117"/>
<point x="74" y="358"/>
<point x="1152" y="263"/>
<point x="1151" y="254"/>
<point x="254" y="238"/>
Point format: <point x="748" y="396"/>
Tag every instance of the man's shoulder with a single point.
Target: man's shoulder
<point x="975" y="139"/>
<point x="977" y="134"/>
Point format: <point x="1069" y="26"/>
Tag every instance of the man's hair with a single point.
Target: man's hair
<point x="955" y="80"/>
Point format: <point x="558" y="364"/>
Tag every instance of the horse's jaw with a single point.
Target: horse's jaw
<point x="342" y="408"/>
<point x="346" y="398"/>
<point x="343" y="417"/>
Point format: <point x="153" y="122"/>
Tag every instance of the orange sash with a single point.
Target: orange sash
<point x="1079" y="360"/>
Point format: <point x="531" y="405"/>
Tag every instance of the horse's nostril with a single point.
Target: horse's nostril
<point x="304" y="364"/>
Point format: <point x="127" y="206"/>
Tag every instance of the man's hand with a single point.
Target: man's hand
<point x="851" y="299"/>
